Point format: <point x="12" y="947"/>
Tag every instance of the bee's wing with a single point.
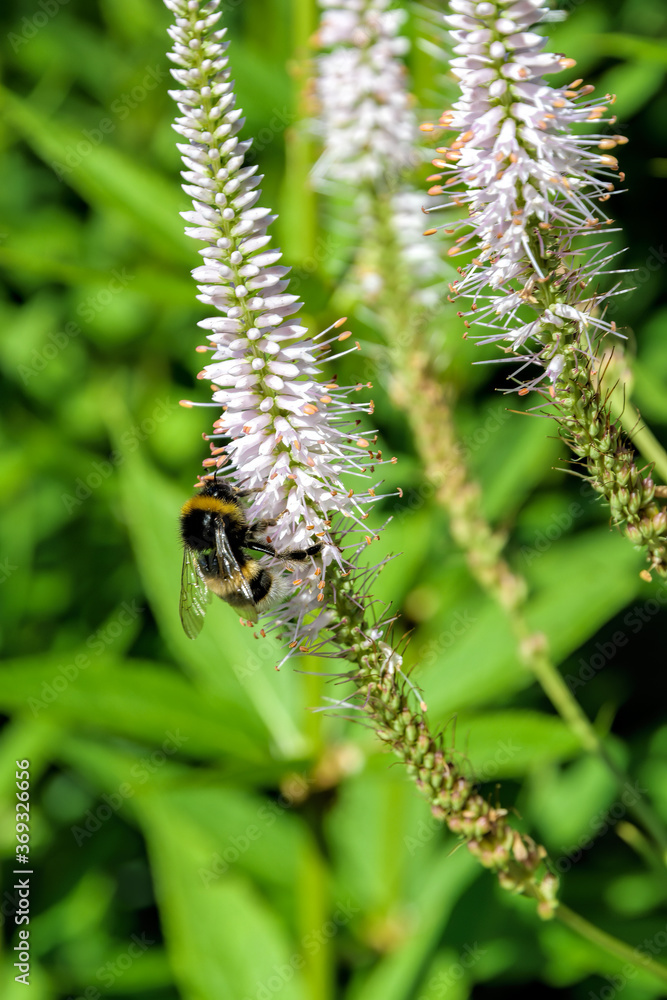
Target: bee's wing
<point x="194" y="596"/>
<point x="228" y="563"/>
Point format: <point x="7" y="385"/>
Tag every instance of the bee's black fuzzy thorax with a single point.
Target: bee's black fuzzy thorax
<point x="216" y="502"/>
<point x="216" y="534"/>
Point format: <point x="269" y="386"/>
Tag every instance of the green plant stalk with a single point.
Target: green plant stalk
<point x="387" y="698"/>
<point x="637" y="840"/>
<point x="425" y="403"/>
<point x="582" y="407"/>
<point x="570" y="710"/>
<point x="313" y="911"/>
<point x="641" y="436"/>
<point x="610" y="944"/>
<point x="429" y="411"/>
<point x="299" y="238"/>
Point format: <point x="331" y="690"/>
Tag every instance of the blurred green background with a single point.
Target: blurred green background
<point x="197" y="833"/>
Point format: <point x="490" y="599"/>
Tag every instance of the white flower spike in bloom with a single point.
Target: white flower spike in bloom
<point x="530" y="178"/>
<point x="366" y="114"/>
<point x="370" y="137"/>
<point x="286" y="432"/>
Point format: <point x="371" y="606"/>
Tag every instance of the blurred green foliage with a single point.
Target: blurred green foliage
<point x="196" y="832"/>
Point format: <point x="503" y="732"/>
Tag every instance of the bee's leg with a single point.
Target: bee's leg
<point x="260" y="547"/>
<point x="248" y="491"/>
<point x="298" y="555"/>
<point x="266" y="522"/>
<point x="293" y="555"/>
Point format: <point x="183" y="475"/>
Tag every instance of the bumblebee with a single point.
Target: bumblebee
<point x="215" y="532"/>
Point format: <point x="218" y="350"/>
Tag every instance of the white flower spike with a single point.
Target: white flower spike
<point x="370" y="137"/>
<point x="367" y="119"/>
<point x="285" y="431"/>
<point x="530" y="179"/>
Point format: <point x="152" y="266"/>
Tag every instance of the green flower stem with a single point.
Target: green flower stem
<point x="608" y="943"/>
<point x="597" y="440"/>
<point x="298" y="238"/>
<point x="313" y="910"/>
<point x="387" y="698"/>
<point x="430" y="417"/>
<point x="641" y="436"/>
<point x="560" y="696"/>
<point x="635" y="838"/>
<point x="429" y="411"/>
<point x="583" y="410"/>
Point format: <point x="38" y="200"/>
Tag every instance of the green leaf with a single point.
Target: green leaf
<point x="395" y="976"/>
<point x="25" y="739"/>
<point x="106" y="177"/>
<point x="471" y="658"/>
<point x="140" y="701"/>
<point x="513" y="743"/>
<point x="626" y="46"/>
<point x="636" y="83"/>
<point x="566" y="804"/>
<point x="381" y="802"/>
<point x="224" y="940"/>
<point x="509" y="454"/>
<point x="581" y="583"/>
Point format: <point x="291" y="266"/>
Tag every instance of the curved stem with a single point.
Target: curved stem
<point x="397" y="713"/>
<point x="608" y="943"/>
<point x="429" y="412"/>
<point x="642" y="438"/>
<point x="560" y="696"/>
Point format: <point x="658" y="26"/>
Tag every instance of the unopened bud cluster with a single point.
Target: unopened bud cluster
<point x="610" y="461"/>
<point x="384" y="693"/>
